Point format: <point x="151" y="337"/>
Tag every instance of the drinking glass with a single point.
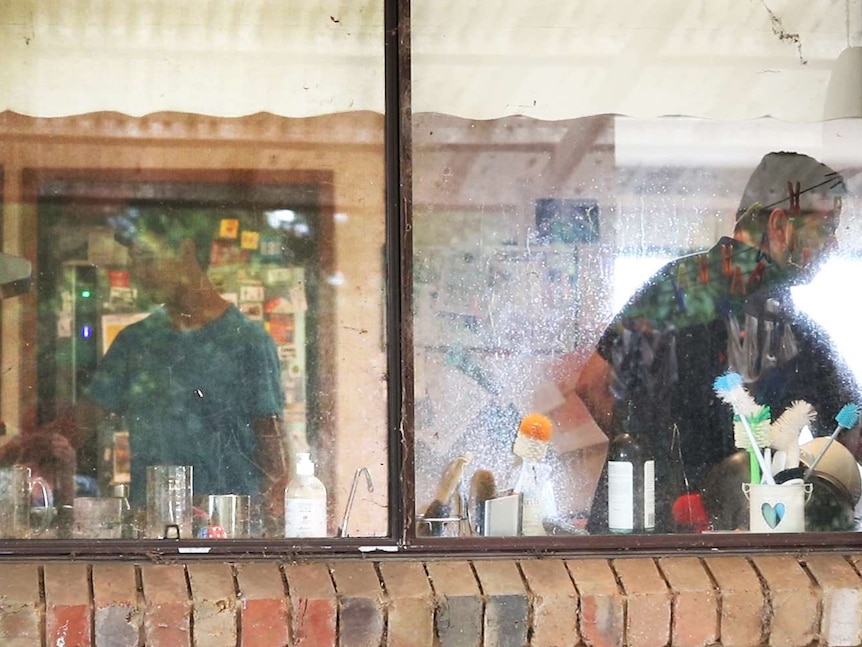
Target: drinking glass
<point x="169" y="502"/>
<point x="16" y="488"/>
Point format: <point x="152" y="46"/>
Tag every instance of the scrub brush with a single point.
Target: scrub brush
<point x="534" y="433"/>
<point x="440" y="507"/>
<point x="847" y="418"/>
<point x="784" y="434"/>
<point x="729" y="389"/>
<point x="482" y="488"/>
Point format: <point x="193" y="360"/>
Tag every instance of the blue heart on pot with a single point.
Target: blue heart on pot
<point x="772" y="514"/>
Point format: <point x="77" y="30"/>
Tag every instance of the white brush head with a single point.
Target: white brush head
<point x="784" y="433"/>
<point x="729" y="388"/>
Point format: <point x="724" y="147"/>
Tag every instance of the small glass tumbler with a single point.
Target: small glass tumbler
<point x="96" y="518"/>
<point x="230" y="512"/>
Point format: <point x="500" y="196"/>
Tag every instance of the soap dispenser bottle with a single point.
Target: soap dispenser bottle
<point x="305" y="502"/>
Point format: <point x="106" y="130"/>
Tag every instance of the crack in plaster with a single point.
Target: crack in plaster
<point x="783" y="34"/>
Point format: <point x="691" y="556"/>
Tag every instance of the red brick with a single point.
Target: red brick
<point x="793" y="599"/>
<point x="263" y="608"/>
<point x="115" y="605"/>
<point x="20" y="606"/>
<point x="695" y="602"/>
<point x="360" y="603"/>
<point x="647" y="602"/>
<point x="67" y="604"/>
<point x="214" y="607"/>
<point x="410" y="604"/>
<point x="554" y="603"/>
<point x="841" y="591"/>
<point x="167" y="609"/>
<point x="813" y="600"/>
<point x="743" y="603"/>
<point x="313" y="605"/>
<point x="458" y="621"/>
<point x="507" y="610"/>
<point x="602" y="619"/>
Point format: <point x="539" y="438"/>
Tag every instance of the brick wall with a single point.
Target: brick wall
<point x="777" y="600"/>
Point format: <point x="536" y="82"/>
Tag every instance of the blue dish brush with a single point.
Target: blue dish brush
<point x="847" y="418"/>
<point x="729" y="389"/>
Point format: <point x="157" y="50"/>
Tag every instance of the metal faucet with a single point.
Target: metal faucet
<point x="342" y="530"/>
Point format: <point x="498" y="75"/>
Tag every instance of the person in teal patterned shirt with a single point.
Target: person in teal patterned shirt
<point x="197" y="382"/>
<point x="728" y="308"/>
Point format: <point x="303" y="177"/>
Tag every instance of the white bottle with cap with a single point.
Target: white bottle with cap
<point x="305" y="502"/>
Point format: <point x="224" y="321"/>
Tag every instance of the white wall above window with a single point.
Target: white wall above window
<point x="218" y="57"/>
<point x="723" y="59"/>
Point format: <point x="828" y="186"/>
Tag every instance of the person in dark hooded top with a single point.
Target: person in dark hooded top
<point x="727" y="308"/>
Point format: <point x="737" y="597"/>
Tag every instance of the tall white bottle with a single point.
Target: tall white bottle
<point x="631" y="478"/>
<point x="305" y="502"/>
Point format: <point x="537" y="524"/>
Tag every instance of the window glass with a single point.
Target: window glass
<point x="207" y="256"/>
<point x="531" y="238"/>
<point x="240" y="172"/>
<point x="552" y="198"/>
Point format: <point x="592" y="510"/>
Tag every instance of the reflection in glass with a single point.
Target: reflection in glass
<point x="508" y="310"/>
<point x="111" y="247"/>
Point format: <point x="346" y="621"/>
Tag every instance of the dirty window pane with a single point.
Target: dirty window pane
<point x="548" y="189"/>
<point x="531" y="238"/>
<point x="207" y="253"/>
